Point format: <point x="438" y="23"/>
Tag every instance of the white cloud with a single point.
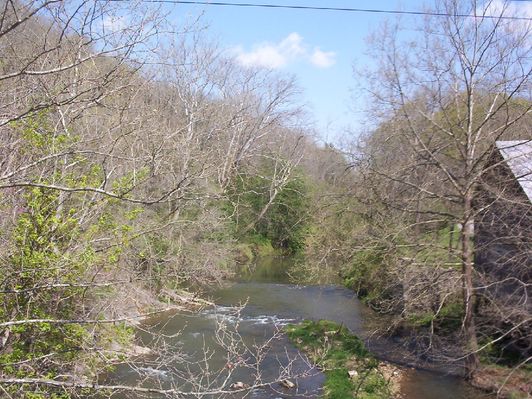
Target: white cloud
<point x="323" y="59"/>
<point x="277" y="55"/>
<point x="292" y="45"/>
<point x="263" y="56"/>
<point x="273" y="56"/>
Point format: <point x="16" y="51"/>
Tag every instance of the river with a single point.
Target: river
<point x="257" y="305"/>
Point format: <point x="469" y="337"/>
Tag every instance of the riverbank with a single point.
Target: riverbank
<point x="410" y="325"/>
<point x="503" y="381"/>
<point x="350" y="370"/>
<point x="135" y="305"/>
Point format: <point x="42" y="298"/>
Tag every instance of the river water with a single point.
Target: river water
<point x="238" y="341"/>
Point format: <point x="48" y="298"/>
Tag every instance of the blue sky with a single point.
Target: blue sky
<point x="318" y="47"/>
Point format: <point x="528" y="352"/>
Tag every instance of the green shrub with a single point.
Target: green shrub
<point x="336" y="351"/>
<point x="285" y="222"/>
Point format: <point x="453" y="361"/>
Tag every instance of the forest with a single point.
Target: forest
<point x="140" y="162"/>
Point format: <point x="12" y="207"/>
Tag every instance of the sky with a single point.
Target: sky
<point x="319" y="48"/>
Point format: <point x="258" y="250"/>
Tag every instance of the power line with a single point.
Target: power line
<point x="340" y="9"/>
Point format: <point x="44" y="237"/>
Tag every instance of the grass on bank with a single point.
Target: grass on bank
<point x="336" y="352"/>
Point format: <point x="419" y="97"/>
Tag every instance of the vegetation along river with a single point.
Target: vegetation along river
<point x="271" y="302"/>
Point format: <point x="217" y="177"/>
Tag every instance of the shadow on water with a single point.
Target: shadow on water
<point x="270" y="303"/>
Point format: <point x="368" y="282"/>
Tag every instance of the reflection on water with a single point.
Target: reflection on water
<point x="224" y="345"/>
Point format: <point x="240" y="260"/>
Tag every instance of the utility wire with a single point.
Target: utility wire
<point x="341" y="9"/>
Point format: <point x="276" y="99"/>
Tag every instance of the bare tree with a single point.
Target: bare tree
<point x="115" y="158"/>
<point x="442" y="98"/>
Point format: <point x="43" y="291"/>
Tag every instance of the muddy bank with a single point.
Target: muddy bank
<point x="504" y="382"/>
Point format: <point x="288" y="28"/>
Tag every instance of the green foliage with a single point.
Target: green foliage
<point x="119" y="333"/>
<point x="261" y="245"/>
<point x="450" y="316"/>
<point x="244" y="253"/>
<point x="420" y="320"/>
<point x="129" y="181"/>
<point x="46" y="268"/>
<point x="46" y="395"/>
<point x="502" y="353"/>
<point x="336" y="351"/>
<point x="437" y="247"/>
<point x="365" y="274"/>
<point x="337" y="385"/>
<point x="38" y="135"/>
<point x="150" y="260"/>
<point x="447" y="320"/>
<point x="42" y="236"/>
<point x="285" y="222"/>
<point x="92" y="176"/>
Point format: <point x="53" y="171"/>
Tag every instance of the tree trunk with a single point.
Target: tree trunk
<point x="471" y="345"/>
